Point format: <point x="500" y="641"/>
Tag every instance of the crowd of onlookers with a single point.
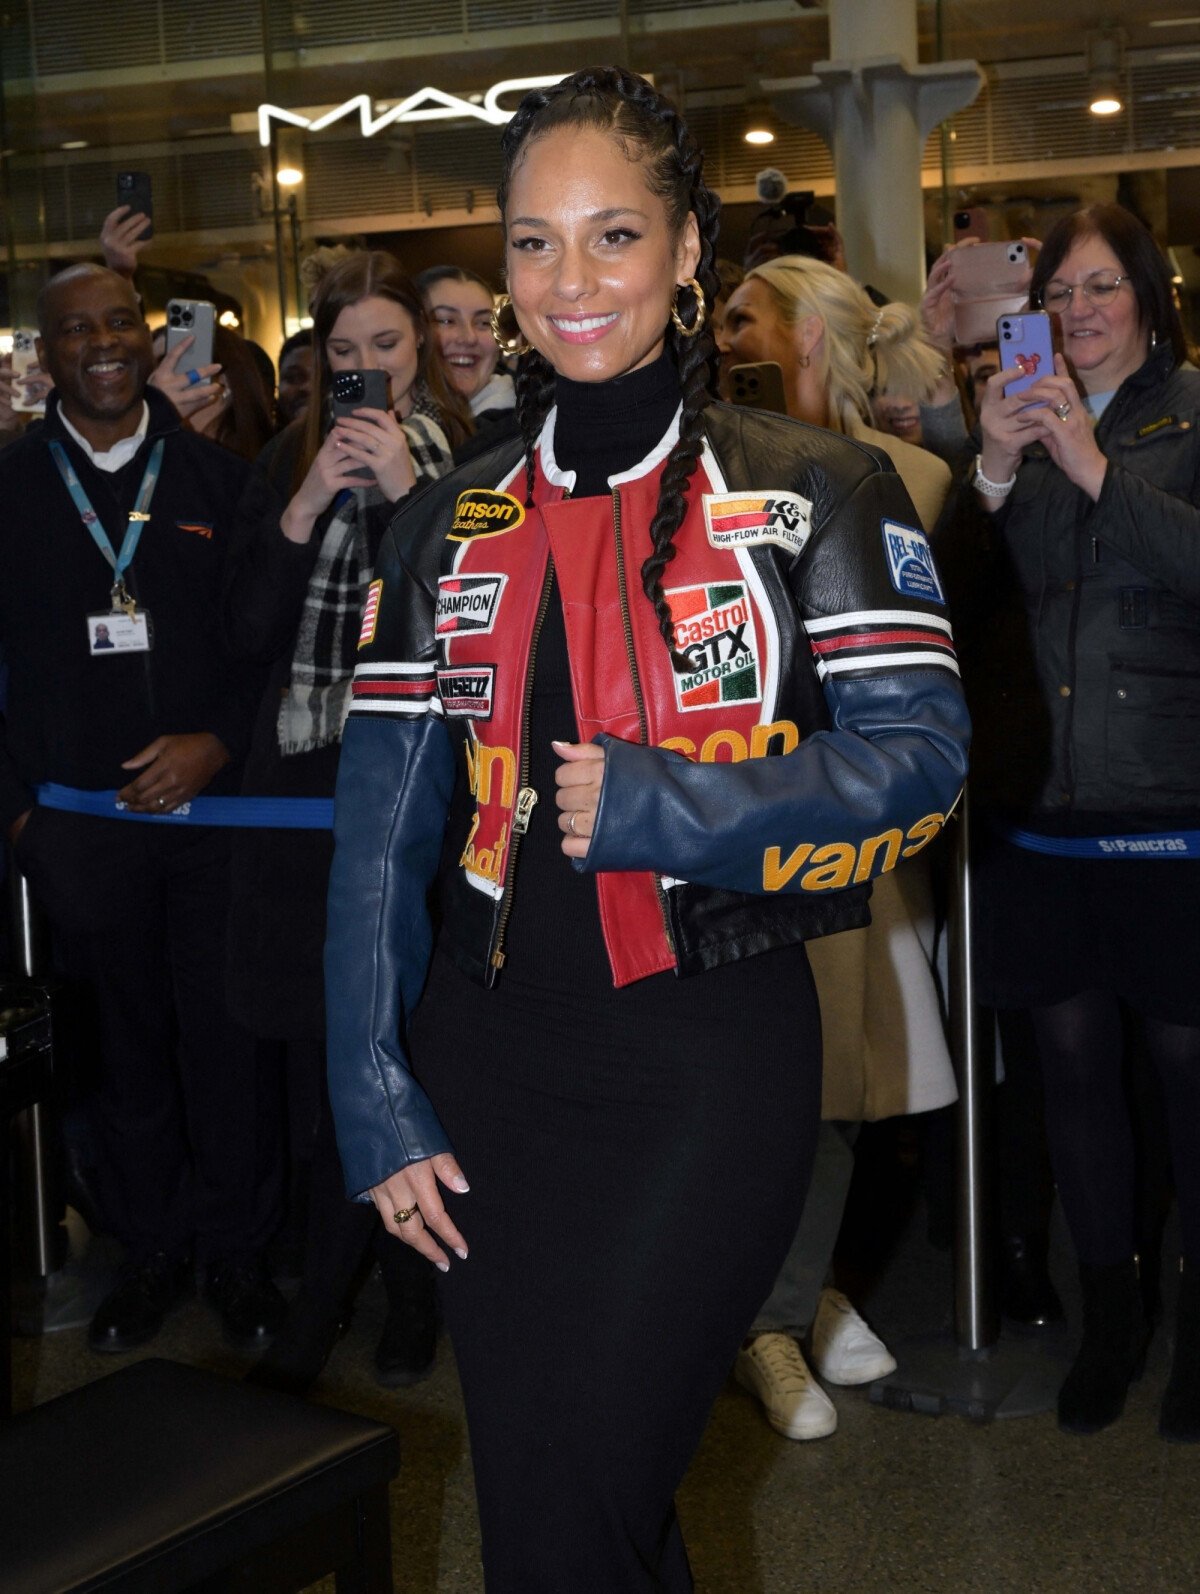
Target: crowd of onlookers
<point x="234" y="1155"/>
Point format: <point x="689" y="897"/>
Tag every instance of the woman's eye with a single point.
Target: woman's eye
<point x="621" y="235"/>
<point x="530" y="244"/>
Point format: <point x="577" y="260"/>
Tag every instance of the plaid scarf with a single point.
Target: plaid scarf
<point x="317" y="700"/>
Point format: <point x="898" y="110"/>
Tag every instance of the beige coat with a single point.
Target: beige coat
<point x="885" y="1049"/>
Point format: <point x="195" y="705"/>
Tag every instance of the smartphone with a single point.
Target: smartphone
<point x="986" y="281"/>
<point x="1026" y="341"/>
<point x="759" y="387"/>
<point x="133" y="189"/>
<point x="972" y="223"/>
<point x="359" y="390"/>
<point x="30" y="383"/>
<point x="196" y="318"/>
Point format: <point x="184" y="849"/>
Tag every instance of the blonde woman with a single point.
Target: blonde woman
<point x="883" y="1041"/>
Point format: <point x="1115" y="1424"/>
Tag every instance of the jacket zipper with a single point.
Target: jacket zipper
<point x="639" y="700"/>
<point x="526" y="796"/>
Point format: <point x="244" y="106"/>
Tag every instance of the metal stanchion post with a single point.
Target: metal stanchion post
<point x="972" y="1044"/>
<point x="973" y="1372"/>
<point x="41" y="1239"/>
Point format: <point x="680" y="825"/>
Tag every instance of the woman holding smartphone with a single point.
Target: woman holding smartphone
<point x="1082" y="630"/>
<point x="298" y="598"/>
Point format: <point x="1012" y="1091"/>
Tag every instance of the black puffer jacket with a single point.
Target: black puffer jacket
<point x="1078" y="624"/>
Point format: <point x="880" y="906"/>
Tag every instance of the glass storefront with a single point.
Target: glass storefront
<point x="173" y="89"/>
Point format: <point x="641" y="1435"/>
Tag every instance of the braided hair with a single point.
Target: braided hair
<point x="648" y="128"/>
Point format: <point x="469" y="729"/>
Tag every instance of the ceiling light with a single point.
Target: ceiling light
<point x="1105" y="66"/>
<point x="757" y="128"/>
<point x="228" y="319"/>
<point x="74" y="143"/>
<point x="1175" y="22"/>
<point x="289" y="176"/>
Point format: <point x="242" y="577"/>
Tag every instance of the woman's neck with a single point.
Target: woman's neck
<point x="604" y="428"/>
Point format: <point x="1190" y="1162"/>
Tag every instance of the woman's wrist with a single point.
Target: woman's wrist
<point x="297" y="522"/>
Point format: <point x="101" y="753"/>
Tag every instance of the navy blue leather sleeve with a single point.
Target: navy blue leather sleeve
<point x="394" y="784"/>
<point x="813" y="819"/>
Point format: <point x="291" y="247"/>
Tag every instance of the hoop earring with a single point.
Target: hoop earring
<point x="510" y="343"/>
<point x="701" y="309"/>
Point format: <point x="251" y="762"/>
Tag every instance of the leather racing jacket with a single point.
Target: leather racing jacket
<point x="818" y="735"/>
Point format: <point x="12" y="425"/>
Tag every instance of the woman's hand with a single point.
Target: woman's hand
<point x="1005" y="427"/>
<point x="121" y="239"/>
<point x="579" y="778"/>
<point x="937" y="302"/>
<point x="414" y="1190"/>
<point x="1065" y="427"/>
<point x="331" y="470"/>
<point x="374" y="438"/>
<point x="188" y="391"/>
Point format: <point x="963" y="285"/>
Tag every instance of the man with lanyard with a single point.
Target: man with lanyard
<point x="116" y="545"/>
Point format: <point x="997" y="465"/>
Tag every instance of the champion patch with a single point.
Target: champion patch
<point x="467" y="603"/>
<point x="370" y="618"/>
<point x="714" y="630"/>
<point x="467" y="693"/>
<point x="910" y="562"/>
<point x="749" y="520"/>
<point x="479" y="513"/>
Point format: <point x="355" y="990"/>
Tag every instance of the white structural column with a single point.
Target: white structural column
<point x="875" y="106"/>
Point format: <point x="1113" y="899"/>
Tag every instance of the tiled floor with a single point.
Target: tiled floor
<point x="892" y="1501"/>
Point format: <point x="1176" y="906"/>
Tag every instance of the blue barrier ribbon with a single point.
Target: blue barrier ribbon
<point x="240" y="813"/>
<point x="1152" y="844"/>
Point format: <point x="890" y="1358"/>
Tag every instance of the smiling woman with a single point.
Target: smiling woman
<point x="638" y="1144"/>
<point x="1085" y="682"/>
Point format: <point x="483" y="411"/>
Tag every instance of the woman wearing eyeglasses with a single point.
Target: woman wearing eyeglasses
<point x="1086" y="677"/>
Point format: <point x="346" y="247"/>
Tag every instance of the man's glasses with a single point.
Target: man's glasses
<point x="1098" y="289"/>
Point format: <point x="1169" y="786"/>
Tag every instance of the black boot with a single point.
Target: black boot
<point x="1179" y="1418"/>
<point x="339" y="1235"/>
<point x="1113" y="1350"/>
<point x="1028" y="1298"/>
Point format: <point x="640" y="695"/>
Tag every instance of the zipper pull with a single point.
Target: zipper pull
<point x="523" y="813"/>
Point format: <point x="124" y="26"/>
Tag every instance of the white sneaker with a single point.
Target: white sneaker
<point x="773" y="1368"/>
<point x="844" y="1350"/>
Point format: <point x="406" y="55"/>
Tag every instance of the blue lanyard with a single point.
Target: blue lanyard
<point x="138" y="515"/>
<point x="1155" y="844"/>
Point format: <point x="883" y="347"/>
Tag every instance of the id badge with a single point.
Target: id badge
<point x="115" y="632"/>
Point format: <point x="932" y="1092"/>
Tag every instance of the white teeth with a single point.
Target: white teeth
<point x="107" y="365"/>
<point x="587" y="323"/>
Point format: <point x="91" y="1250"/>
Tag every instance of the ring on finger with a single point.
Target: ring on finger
<point x="194" y="377"/>
<point x="1063" y="410"/>
<point x="403" y="1214"/>
<point x="571" y="823"/>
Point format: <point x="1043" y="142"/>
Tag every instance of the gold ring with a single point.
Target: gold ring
<point x="571" y="823"/>
<point x="1063" y="410"/>
<point x="403" y="1214"/>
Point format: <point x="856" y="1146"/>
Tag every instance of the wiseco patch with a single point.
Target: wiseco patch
<point x="748" y="520"/>
<point x="467" y="603"/>
<point x="199" y="528"/>
<point x="467" y="693"/>
<point x="480" y="513"/>
<point x="714" y="631"/>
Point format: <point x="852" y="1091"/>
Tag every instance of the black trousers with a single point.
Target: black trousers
<point x="636" y="1179"/>
<point x="188" y="1148"/>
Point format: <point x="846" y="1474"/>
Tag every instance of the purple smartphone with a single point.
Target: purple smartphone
<point x="1026" y="340"/>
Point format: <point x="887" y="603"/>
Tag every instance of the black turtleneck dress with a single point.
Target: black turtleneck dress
<point x="638" y="1160"/>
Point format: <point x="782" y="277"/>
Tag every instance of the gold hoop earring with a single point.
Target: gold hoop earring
<point x="701" y="310"/>
<point x="510" y="343"/>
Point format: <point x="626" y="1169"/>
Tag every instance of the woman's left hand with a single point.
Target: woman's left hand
<point x="579" y="778"/>
<point x="1065" y="427"/>
<point x="374" y="438"/>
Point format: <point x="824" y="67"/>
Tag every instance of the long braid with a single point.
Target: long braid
<point x="534" y="383"/>
<point x="625" y="105"/>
